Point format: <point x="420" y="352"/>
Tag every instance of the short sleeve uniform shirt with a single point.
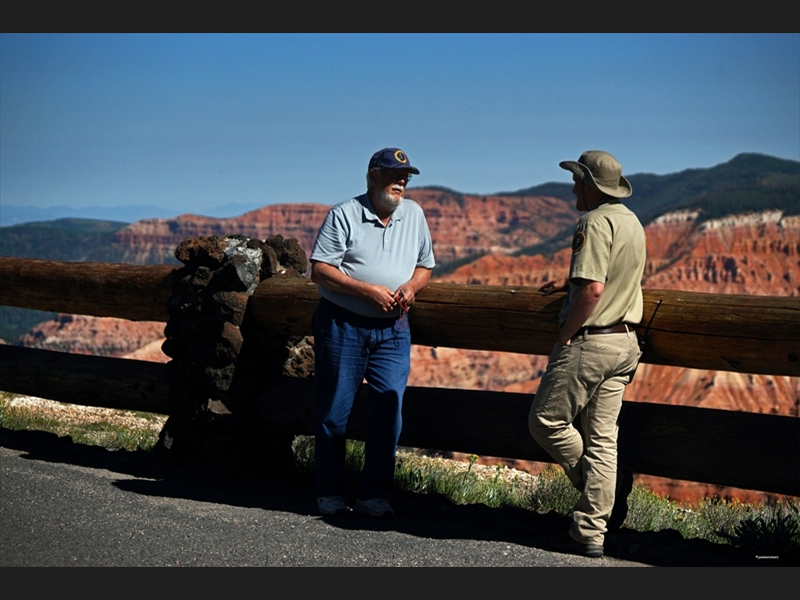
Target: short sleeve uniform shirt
<point x="609" y="247"/>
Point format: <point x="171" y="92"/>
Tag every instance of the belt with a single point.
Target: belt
<point x="621" y="328"/>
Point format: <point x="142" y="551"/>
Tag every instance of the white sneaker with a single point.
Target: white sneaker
<point x="374" y="507"/>
<point x="332" y="505"/>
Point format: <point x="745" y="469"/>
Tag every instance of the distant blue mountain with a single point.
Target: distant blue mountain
<point x="14" y="215"/>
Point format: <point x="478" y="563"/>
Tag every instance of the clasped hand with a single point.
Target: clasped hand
<point x="386" y="300"/>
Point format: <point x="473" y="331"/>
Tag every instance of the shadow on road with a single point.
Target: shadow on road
<point x="423" y="515"/>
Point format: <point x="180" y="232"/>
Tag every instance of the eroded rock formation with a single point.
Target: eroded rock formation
<point x="461" y="225"/>
<point x="755" y="254"/>
<point x="154" y="240"/>
<point x="100" y="336"/>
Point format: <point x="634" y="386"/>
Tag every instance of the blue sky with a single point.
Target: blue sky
<point x="191" y="122"/>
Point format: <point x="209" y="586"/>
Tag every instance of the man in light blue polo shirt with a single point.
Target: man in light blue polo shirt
<point x="372" y="255"/>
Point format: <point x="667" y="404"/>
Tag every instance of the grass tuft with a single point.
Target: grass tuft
<point x="553" y="491"/>
<point x="461" y="484"/>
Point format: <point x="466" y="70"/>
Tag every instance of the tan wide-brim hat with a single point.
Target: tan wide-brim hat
<point x="600" y="170"/>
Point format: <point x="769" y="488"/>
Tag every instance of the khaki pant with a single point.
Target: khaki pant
<point x="574" y="417"/>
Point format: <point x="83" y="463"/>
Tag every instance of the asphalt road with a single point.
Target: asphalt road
<point x="69" y="505"/>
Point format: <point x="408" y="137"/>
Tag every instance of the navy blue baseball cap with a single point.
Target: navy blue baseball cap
<point x="391" y="158"/>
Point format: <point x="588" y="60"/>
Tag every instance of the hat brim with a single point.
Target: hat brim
<point x="623" y="190"/>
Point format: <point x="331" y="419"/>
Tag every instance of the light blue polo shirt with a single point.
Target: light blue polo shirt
<point x="353" y="239"/>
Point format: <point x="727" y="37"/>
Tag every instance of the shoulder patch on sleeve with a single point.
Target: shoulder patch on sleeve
<point x="578" y="240"/>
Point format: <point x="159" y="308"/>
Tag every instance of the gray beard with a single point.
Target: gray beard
<point x="384" y="201"/>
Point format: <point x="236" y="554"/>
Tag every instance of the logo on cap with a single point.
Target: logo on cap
<point x="400" y="156"/>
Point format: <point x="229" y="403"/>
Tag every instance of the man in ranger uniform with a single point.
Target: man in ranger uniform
<point x="574" y="413"/>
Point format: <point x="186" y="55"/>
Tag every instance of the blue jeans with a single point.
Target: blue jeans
<point x="348" y="349"/>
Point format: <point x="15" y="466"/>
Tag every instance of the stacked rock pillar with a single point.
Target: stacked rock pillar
<point x="221" y="358"/>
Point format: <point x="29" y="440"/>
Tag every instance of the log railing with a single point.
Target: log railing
<point x="752" y="334"/>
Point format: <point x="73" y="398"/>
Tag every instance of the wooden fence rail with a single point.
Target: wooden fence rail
<point x="748" y="334"/>
<point x="743" y="333"/>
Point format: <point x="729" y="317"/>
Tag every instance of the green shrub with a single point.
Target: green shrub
<point x="771" y="532"/>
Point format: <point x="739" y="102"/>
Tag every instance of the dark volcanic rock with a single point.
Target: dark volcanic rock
<point x="222" y="359"/>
